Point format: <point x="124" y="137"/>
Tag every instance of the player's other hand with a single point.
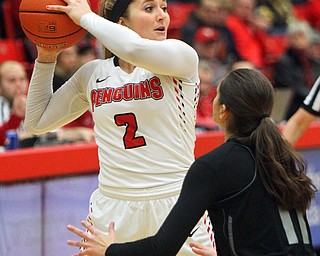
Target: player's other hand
<point x="202" y="250"/>
<point x="95" y="242"/>
<point x="47" y="55"/>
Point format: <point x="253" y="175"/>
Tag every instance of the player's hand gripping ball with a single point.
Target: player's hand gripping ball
<point x="48" y="29"/>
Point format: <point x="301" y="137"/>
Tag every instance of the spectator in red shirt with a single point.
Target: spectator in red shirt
<point x="248" y="31"/>
<point x="210" y="13"/>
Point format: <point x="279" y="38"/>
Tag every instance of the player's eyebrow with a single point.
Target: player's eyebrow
<point x="145" y="1"/>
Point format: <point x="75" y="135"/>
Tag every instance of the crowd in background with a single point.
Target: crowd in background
<point x="281" y="38"/>
<point x="14" y="80"/>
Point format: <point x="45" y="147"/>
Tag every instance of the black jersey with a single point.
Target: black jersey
<point x="246" y="219"/>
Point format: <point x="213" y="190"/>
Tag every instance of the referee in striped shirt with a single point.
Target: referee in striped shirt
<point x="308" y="112"/>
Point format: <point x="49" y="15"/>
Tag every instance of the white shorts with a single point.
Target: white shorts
<point x="138" y="214"/>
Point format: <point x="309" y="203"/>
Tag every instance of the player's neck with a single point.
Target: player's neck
<point x="125" y="66"/>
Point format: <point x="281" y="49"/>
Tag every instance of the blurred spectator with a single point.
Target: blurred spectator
<point x="273" y="17"/>
<point x="13" y="90"/>
<point x="70" y="59"/>
<point x="86" y="52"/>
<point x="210" y="13"/>
<point x="67" y="65"/>
<point x="207" y="44"/>
<point x="315" y="46"/>
<point x="278" y="12"/>
<point x="308" y="10"/>
<point x="296" y="69"/>
<point x="206" y="96"/>
<point x="248" y="31"/>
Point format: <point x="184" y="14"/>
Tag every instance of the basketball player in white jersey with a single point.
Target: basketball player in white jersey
<point x="143" y="99"/>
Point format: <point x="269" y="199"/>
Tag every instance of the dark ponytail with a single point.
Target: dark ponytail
<point x="248" y="96"/>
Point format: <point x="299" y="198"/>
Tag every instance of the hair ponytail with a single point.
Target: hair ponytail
<point x="281" y="168"/>
<point x="248" y="96"/>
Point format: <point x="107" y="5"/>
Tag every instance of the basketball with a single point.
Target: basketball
<point x="48" y="29"/>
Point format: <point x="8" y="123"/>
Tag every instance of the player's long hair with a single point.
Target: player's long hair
<point x="105" y="9"/>
<point x="248" y="96"/>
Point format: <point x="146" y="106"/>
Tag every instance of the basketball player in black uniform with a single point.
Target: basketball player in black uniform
<point x="254" y="186"/>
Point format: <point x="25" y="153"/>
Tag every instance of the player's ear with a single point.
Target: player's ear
<point x="223" y="108"/>
<point x="122" y="21"/>
<point x="223" y="111"/>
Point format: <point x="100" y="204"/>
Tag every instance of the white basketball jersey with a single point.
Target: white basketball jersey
<point x="144" y="123"/>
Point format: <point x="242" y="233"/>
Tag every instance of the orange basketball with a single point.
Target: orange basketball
<point x="48" y="28"/>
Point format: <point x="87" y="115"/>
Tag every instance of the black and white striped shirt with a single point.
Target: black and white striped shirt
<point x="5" y="110"/>
<point x="312" y="101"/>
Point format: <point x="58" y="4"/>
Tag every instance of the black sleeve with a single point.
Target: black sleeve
<point x="196" y="194"/>
<point x="220" y="173"/>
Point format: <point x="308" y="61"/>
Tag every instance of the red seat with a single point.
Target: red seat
<point x="10" y="48"/>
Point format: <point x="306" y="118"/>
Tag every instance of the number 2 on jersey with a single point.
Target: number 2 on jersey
<point x="130" y="139"/>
